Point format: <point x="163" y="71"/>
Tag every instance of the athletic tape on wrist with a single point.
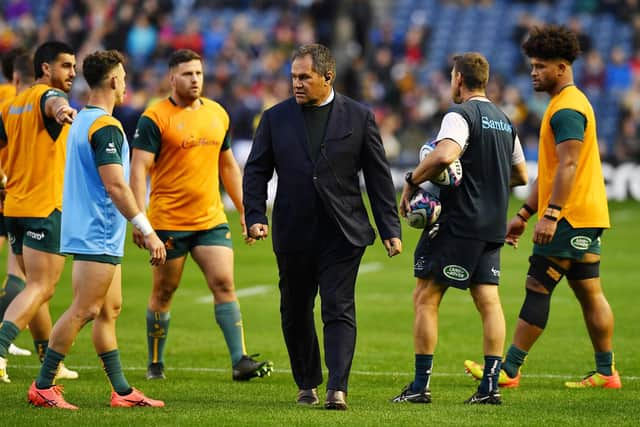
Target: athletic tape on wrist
<point x="141" y="222"/>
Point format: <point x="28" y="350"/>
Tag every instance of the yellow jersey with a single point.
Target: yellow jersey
<point x="185" y="184"/>
<point x="7" y="91"/>
<point x="35" y="155"/>
<point x="586" y="206"/>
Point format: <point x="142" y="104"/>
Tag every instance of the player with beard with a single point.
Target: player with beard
<point x="570" y="200"/>
<point x="183" y="142"/>
<point x="40" y="116"/>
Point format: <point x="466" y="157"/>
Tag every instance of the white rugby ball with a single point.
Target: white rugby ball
<point x="451" y="176"/>
<point x="424" y="209"/>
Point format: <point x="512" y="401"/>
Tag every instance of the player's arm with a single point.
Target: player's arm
<point x="568" y="128"/>
<point x="56" y="106"/>
<point x="146" y="144"/>
<point x="107" y="146"/>
<point x="232" y="181"/>
<point x="451" y="139"/>
<point x="519" y="175"/>
<point x="258" y="170"/>
<point x="380" y="189"/>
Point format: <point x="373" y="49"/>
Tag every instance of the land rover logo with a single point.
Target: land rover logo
<point x="455" y="272"/>
<point x="581" y="242"/>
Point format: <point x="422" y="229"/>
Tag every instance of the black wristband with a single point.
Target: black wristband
<point x="521" y="217"/>
<point x="555" y="207"/>
<point x="408" y="177"/>
<point x="551" y="217"/>
<point x="528" y="208"/>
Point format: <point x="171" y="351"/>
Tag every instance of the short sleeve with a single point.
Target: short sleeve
<point x="226" y="144"/>
<point x="147" y="136"/>
<point x="568" y="124"/>
<point x="107" y="145"/>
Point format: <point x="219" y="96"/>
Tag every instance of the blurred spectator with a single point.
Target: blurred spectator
<point x="593" y="73"/>
<point x="575" y="25"/>
<point x="141" y="40"/>
<point x="618" y="71"/>
<point x="190" y="38"/>
<point x="627" y="143"/>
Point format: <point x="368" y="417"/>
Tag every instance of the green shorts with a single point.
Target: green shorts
<point x="179" y="243"/>
<point x="104" y="259"/>
<point x="569" y="242"/>
<point x="42" y="234"/>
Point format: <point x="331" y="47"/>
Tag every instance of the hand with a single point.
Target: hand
<point x="514" y="231"/>
<point x="393" y="246"/>
<point x="544" y="231"/>
<point x="156" y="249"/>
<point x="247" y="239"/>
<point x="138" y="238"/>
<point x="258" y="231"/>
<point x="407" y="192"/>
<point x="65" y="114"/>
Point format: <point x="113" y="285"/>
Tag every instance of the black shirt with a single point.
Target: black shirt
<point x="478" y="208"/>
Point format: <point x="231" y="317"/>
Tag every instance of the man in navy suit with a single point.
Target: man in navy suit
<point x="317" y="142"/>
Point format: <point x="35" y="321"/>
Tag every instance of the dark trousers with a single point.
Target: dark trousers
<point x="331" y="268"/>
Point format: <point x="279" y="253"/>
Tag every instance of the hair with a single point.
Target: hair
<point x="47" y="53"/>
<point x="8" y="60"/>
<point x="474" y="69"/>
<point x="183" y="55"/>
<point x="23" y="65"/>
<point x="97" y="66"/>
<point x="322" y="61"/>
<point x="552" y="42"/>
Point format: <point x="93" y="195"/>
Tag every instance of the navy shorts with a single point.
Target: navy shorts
<point x="456" y="261"/>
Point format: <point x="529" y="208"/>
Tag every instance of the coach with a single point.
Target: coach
<point x="317" y="142"/>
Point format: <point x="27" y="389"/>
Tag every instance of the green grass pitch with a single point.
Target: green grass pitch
<point x="199" y="390"/>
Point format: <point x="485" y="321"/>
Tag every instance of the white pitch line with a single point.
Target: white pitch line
<point x="370" y="267"/>
<point x="354" y="372"/>
<point x="241" y="293"/>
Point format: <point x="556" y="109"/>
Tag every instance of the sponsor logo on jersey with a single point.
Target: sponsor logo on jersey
<point x="192" y="142"/>
<point x="34" y="235"/>
<point x="19" y="110"/>
<point x="581" y="243"/>
<point x="455" y="272"/>
<point x="111" y="148"/>
<point x="488" y="123"/>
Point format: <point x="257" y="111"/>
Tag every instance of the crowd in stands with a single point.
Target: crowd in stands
<point x="384" y="60"/>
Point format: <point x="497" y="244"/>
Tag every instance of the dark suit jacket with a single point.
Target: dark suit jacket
<point x="352" y="143"/>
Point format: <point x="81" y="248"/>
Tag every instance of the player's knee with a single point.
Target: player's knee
<point x="112" y="310"/>
<point x="163" y="294"/>
<point x="535" y="309"/>
<point x="545" y="272"/>
<point x="87" y="314"/>
<point x="584" y="271"/>
<point x="223" y="290"/>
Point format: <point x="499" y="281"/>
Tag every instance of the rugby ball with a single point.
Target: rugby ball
<point x="424" y="209"/>
<point x="451" y="176"/>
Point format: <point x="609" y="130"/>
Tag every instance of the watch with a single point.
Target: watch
<point x="408" y="178"/>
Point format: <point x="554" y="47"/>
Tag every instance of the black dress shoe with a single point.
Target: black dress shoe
<point x="336" y="399"/>
<point x="308" y="397"/>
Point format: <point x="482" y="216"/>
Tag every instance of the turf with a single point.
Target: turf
<point x="199" y="390"/>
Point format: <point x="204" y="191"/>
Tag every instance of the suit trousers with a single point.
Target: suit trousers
<point x="331" y="267"/>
